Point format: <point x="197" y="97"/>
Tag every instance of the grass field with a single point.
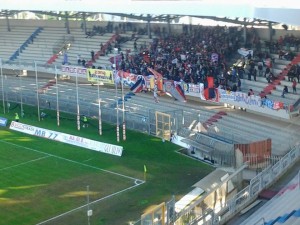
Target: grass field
<point x="42" y="179"/>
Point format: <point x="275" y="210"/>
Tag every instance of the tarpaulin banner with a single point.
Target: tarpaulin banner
<point x="105" y="76"/>
<point x="74" y="71"/>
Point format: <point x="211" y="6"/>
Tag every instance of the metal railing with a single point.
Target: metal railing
<point x="244" y="197"/>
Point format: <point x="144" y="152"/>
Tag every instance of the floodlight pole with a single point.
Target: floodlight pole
<point x="77" y="100"/>
<point x="20" y="85"/>
<point x="123" y="108"/>
<point x="37" y="91"/>
<point x="2" y="83"/>
<point x="117" y="105"/>
<point x="21" y="96"/>
<point x="99" y="110"/>
<point x="57" y="104"/>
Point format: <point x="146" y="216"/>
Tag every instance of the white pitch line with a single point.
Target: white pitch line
<point x="69" y="160"/>
<point x="23" y="163"/>
<point x="83" y="206"/>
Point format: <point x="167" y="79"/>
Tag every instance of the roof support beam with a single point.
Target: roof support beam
<point x="7" y="21"/>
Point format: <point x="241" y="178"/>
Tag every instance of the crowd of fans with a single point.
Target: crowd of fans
<point x="200" y="52"/>
<point x="189" y="57"/>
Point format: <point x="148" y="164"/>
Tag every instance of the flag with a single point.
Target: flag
<point x="139" y="84"/>
<point x="145" y="169"/>
<point x="159" y="79"/>
<point x="181" y="92"/>
<point x="156" y="74"/>
<point x="116" y="76"/>
<point x="177" y="92"/>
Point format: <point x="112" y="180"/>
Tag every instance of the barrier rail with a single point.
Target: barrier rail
<point x="246" y="196"/>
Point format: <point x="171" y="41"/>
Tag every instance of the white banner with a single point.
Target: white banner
<point x="74" y="71"/>
<point x="67" y="138"/>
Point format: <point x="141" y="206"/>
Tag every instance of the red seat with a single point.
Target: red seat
<point x="212" y="120"/>
<point x="217" y="116"/>
<point x="222" y="113"/>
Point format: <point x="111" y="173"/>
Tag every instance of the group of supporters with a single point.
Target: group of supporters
<point x="194" y="55"/>
<point x="188" y="57"/>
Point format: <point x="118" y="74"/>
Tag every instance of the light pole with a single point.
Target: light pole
<point x="20" y="85"/>
<point x="116" y="85"/>
<point x="21" y="96"/>
<point x="123" y="108"/>
<point x="37" y="91"/>
<point x="99" y="110"/>
<point x="117" y="105"/>
<point x="2" y="83"/>
<point x="77" y="100"/>
<point x="57" y="105"/>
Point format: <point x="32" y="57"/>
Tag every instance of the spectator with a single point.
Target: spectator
<point x="78" y="59"/>
<point x="260" y="69"/>
<point x="254" y="74"/>
<point x="239" y="85"/>
<point x="17" y="117"/>
<point x="43" y="115"/>
<point x="93" y="55"/>
<point x="284" y="91"/>
<point x="65" y="62"/>
<point x="83" y="62"/>
<point x="85" y="122"/>
<point x="294" y="85"/>
<point x="270" y="77"/>
<point x="234" y="88"/>
<point x="267" y="72"/>
<point x="250" y="92"/>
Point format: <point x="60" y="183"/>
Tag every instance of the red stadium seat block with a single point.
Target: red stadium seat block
<point x="222" y="113"/>
<point x="217" y="116"/>
<point x="212" y="120"/>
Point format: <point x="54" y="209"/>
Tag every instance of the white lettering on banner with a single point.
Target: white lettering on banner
<point x="67" y="138"/>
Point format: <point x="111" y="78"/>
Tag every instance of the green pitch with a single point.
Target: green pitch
<point x="43" y="180"/>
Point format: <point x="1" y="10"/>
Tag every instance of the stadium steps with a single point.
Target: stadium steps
<point x="284" y="218"/>
<point x="213" y="119"/>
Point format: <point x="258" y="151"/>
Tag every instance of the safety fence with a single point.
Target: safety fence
<point x="247" y="195"/>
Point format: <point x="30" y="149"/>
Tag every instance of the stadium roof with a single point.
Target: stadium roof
<point x="287" y="11"/>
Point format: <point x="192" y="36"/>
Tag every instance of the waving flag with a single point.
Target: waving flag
<point x="159" y="79"/>
<point x="139" y="84"/>
<point x="175" y="90"/>
<point x="180" y="91"/>
<point x="117" y="78"/>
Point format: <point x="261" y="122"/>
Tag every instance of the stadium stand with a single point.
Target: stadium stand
<point x="283" y="208"/>
<point x="217" y="130"/>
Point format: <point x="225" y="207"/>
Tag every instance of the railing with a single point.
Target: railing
<point x="243" y="198"/>
<point x="61" y="44"/>
<point x="262" y="181"/>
